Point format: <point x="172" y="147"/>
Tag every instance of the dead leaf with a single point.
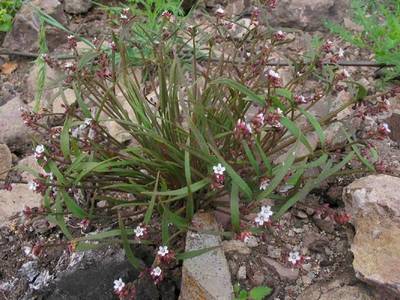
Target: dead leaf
<point x="8" y="67"/>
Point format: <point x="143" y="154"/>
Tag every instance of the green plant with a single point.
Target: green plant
<point x="380" y="23"/>
<point x="256" y="293"/>
<point x="8" y="9"/>
<point x="227" y="125"/>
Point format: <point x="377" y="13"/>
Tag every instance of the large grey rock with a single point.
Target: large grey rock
<point x="5" y="161"/>
<point x="28" y="165"/>
<point x="24" y="35"/>
<point x="307" y="15"/>
<point x="13" y="131"/>
<point x="14" y="201"/>
<point x="205" y="276"/>
<point x="77" y="6"/>
<point x="374" y="204"/>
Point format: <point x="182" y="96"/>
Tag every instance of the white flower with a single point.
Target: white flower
<point x="279" y="111"/>
<point x="39" y="149"/>
<point x="266" y="211"/>
<point x="264" y="184"/>
<point x="273" y="74"/>
<point x="68" y="65"/>
<point x="70" y="37"/>
<point x="156" y="272"/>
<point x="123" y="16"/>
<point x="261" y="219"/>
<point x="49" y="175"/>
<point x="32" y="185"/>
<point x="88" y="121"/>
<point x="345" y="73"/>
<point x="119" y="285"/>
<point x="219" y="169"/>
<point x="162" y="250"/>
<point x="248" y="127"/>
<point x="341" y="53"/>
<point x="220" y="11"/>
<point x="386" y="128"/>
<point x="139" y="231"/>
<point x="294" y="257"/>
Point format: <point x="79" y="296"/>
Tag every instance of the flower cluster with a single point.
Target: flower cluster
<point x="39" y="152"/>
<point x="274" y="78"/>
<point x="140" y="232"/>
<point x="164" y="255"/>
<point x="242" y="130"/>
<point x="263" y="217"/>
<point x="255" y="16"/>
<point x="124" y="291"/>
<point x="218" y="177"/>
<point x="274" y="119"/>
<point x="279" y="36"/>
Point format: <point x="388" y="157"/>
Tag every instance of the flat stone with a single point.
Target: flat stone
<point x="307" y="15"/>
<point x="374" y="204"/>
<point x="24" y="35"/>
<point x="63" y="101"/>
<point x="205" y="276"/>
<point x="5" y="161"/>
<point x="13" y="131"/>
<point x="77" y="6"/>
<point x="284" y="273"/>
<point x="12" y="202"/>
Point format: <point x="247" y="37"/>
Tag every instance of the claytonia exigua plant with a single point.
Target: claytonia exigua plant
<point x="194" y="129"/>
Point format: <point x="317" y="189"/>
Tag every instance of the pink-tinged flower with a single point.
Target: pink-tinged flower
<point x="384" y="129"/>
<point x="279" y="36"/>
<point x="300" y="99"/>
<point x="342" y="74"/>
<point x="258" y="121"/>
<point x="219" y="169"/>
<point x="328" y="46"/>
<point x="27" y="211"/>
<point x="69" y="66"/>
<point x="220" y="12"/>
<point x="274" y="78"/>
<point x="242" y="130"/>
<point x="272" y="3"/>
<point x="157" y="274"/>
<point x="119" y="285"/>
<point x="39" y="151"/>
<point x="264" y="184"/>
<point x="84" y="225"/>
<point x="244" y="236"/>
<point x="123" y="17"/>
<point x="113" y="46"/>
<point x="274" y="119"/>
<point x="168" y="16"/>
<point x="342" y="218"/>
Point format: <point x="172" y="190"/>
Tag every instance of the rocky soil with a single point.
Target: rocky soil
<point x="356" y="260"/>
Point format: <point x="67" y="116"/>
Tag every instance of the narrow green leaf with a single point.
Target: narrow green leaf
<point x="242" y="89"/>
<point x="127" y="247"/>
<point x="149" y="211"/>
<point x="182" y="191"/>
<point x="314" y="122"/>
<point x="188" y="176"/>
<point x="296" y="132"/>
<point x="251" y="157"/>
<point x="73" y="207"/>
<point x="235" y="213"/>
<point x="64" y="138"/>
<point x="280" y="174"/>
